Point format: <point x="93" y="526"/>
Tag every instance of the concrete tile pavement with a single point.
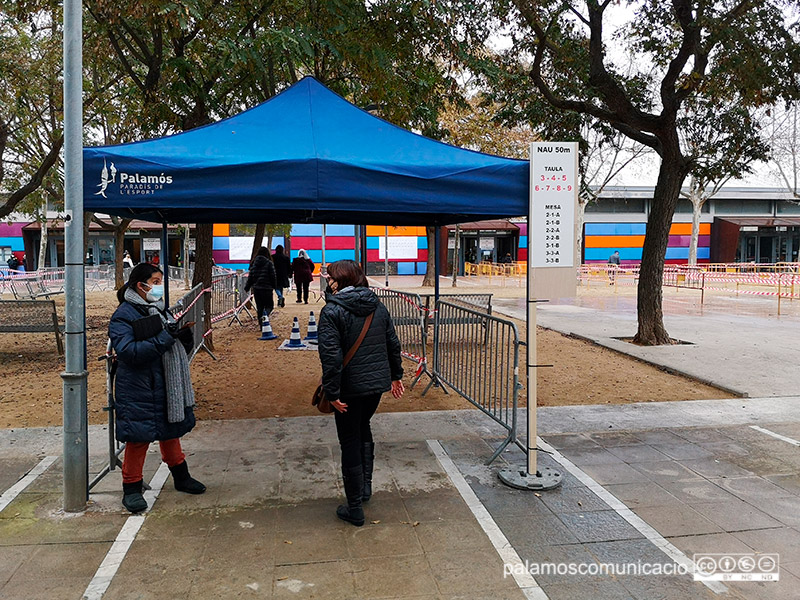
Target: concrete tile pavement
<point x="266" y="527"/>
<point x="749" y="355"/>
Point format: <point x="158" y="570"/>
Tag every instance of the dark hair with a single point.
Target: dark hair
<point x="347" y="273"/>
<point x="263" y="251"/>
<point x="139" y="274"/>
<point x="278" y="249"/>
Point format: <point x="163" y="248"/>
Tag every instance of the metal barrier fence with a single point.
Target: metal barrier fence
<point x="190" y="309"/>
<point x="477" y="355"/>
<point x="409" y="319"/>
<point x="513" y="271"/>
<point x="482" y="302"/>
<point x="224" y="294"/>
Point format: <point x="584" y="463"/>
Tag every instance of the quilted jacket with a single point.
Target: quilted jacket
<point x="140" y="390"/>
<point x="261" y="276"/>
<point x="376" y="363"/>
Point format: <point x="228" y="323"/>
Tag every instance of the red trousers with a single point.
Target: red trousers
<point x="136" y="452"/>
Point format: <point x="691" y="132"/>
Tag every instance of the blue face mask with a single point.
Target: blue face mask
<point x="156" y="293"/>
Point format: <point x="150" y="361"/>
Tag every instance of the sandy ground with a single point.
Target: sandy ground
<point x="252" y="379"/>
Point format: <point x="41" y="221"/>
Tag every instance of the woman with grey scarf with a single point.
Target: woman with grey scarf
<point x="153" y="392"/>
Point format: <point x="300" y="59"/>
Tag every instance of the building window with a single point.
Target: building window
<point x="788" y="208"/>
<point x="685" y="206"/>
<point x="743" y="207"/>
<point x="616" y="205"/>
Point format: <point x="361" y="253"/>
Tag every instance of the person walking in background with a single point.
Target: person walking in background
<point x="303" y="271"/>
<point x="13" y="263"/>
<point x="613" y="265"/>
<point x="354" y="312"/>
<point x="127" y="261"/>
<point x="262" y="280"/>
<point x="153" y="387"/>
<point x="283" y="269"/>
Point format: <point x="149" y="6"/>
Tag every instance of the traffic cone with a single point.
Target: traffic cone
<point x="266" y="328"/>
<point x="294" y="338"/>
<point x="312" y="328"/>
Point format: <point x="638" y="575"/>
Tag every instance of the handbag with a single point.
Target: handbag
<point x="319" y="399"/>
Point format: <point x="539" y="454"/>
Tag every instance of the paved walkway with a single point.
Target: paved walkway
<point x="750" y="356"/>
<point x="266" y="528"/>
<point x="644" y="485"/>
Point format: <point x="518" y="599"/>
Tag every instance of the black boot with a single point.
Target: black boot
<point x="184" y="482"/>
<point x="132" y="498"/>
<point x="367" y="463"/>
<point x="352" y="512"/>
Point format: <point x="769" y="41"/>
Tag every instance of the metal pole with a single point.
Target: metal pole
<point x="437" y="267"/>
<point x="323" y="245"/>
<point x="76" y="439"/>
<point x="165" y="260"/>
<point x="363" y="236"/>
<point x="456" y="259"/>
<point x="357" y="241"/>
<point x="386" y="254"/>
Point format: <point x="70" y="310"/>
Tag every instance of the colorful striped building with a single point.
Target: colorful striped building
<point x="600" y="240"/>
<point x="408" y="246"/>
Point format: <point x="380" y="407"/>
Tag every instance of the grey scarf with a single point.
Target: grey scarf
<point x="180" y="394"/>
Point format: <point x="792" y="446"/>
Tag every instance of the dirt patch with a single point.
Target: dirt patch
<point x="251" y="379"/>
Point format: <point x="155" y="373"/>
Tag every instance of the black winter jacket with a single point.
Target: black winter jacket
<point x="140" y="387"/>
<point x="262" y="275"/>
<point x="283" y="269"/>
<point x="376" y="363"/>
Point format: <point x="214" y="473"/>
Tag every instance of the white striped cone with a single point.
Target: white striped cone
<point x="312" y="327"/>
<point x="266" y="328"/>
<point x="294" y="339"/>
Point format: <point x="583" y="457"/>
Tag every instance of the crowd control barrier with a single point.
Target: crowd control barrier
<point x="477" y="356"/>
<point x="409" y="319"/>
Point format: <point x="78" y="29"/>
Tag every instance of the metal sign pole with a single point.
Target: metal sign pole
<point x="76" y="453"/>
<point x="553" y="191"/>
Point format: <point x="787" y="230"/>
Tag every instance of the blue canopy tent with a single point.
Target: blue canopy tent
<point x="305" y="156"/>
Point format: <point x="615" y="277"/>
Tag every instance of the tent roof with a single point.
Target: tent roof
<point x="305" y="156"/>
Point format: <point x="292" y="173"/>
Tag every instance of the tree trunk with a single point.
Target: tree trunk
<point x="186" y="254"/>
<point x="87" y="221"/>
<point x="42" y="262"/>
<point x="269" y="244"/>
<point x="651" y="274"/>
<point x="204" y="238"/>
<point x="430" y="276"/>
<point x="579" y="217"/>
<point x="257" y="241"/>
<point x="697" y="206"/>
<point x="119" y="250"/>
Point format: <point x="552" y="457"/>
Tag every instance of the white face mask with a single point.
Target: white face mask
<point x="156" y="292"/>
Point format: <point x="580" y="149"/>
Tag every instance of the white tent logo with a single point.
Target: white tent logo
<point x="104" y="180"/>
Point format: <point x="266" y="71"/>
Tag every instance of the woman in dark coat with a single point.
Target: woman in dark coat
<point x="153" y="388"/>
<point x="283" y="269"/>
<point x="356" y="390"/>
<point x="303" y="270"/>
<point x="262" y="280"/>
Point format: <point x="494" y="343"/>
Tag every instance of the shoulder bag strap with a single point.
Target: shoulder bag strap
<point x="360" y="339"/>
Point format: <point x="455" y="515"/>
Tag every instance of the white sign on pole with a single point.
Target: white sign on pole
<point x="487" y="243"/>
<point x="151" y="243"/>
<point x="400" y="246"/>
<point x="553" y="197"/>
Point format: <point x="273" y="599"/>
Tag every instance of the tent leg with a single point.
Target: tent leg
<point x="165" y="260"/>
<point x="437" y="262"/>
